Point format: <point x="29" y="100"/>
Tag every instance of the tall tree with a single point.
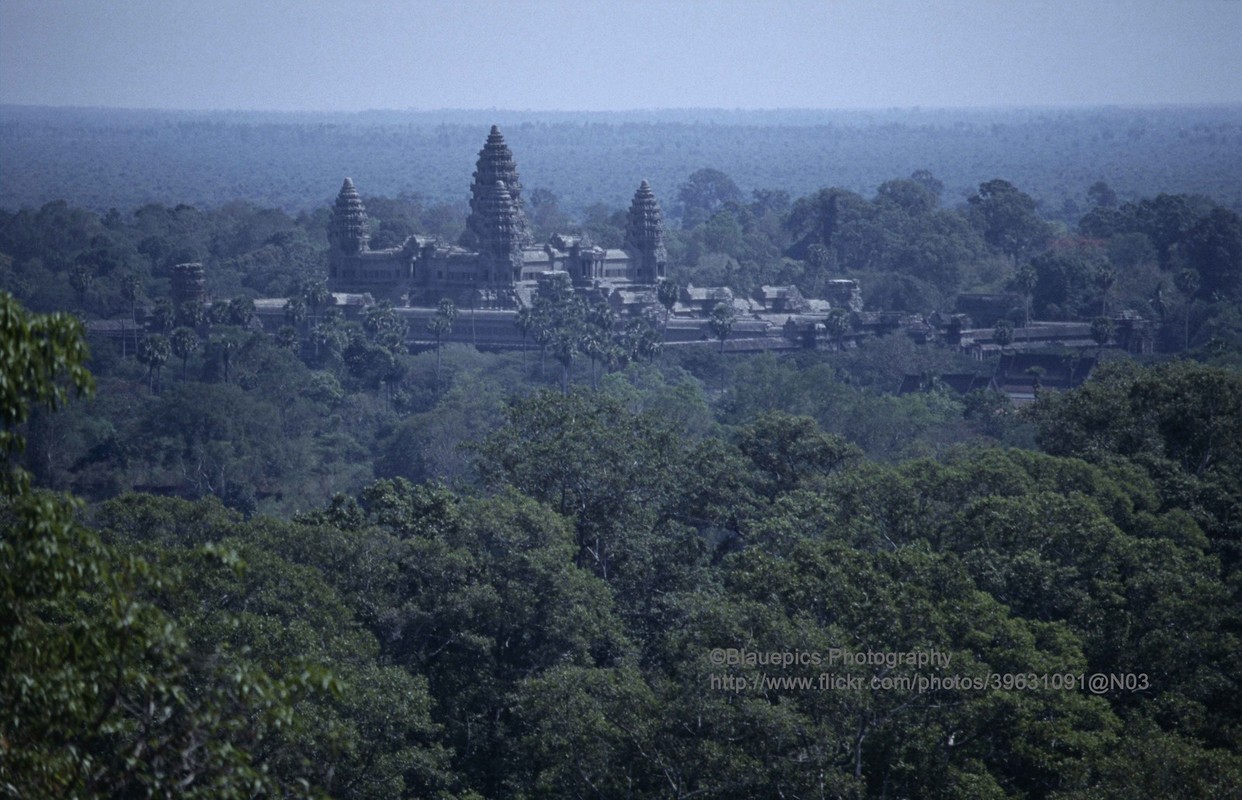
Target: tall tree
<point x="526" y="320"/>
<point x="440" y="326"/>
<point x="131" y="290"/>
<point x="1101" y="332"/>
<point x="1187" y="282"/>
<point x="184" y="342"/>
<point x="241" y="311"/>
<point x="42" y="356"/>
<point x="837" y="324"/>
<point x="667" y="293"/>
<point x="721" y="322"/>
<point x="1006" y="217"/>
<point x="1002" y="334"/>
<point x="317" y="297"/>
<point x="154" y="353"/>
<point x="704" y="193"/>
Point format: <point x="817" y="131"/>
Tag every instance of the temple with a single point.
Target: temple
<point x="497" y="264"/>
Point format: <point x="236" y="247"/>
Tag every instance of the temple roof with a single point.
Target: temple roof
<point x="645" y="223"/>
<point x="350" y="230"/>
<point x="496" y="166"/>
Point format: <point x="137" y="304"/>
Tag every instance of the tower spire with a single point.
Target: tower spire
<point x="349" y="232"/>
<point x="495" y="164"/>
<point x="644" y="233"/>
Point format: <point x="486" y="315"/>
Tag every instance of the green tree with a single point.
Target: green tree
<point x="440" y="326"/>
<point x="191" y="314"/>
<point x="1105" y="277"/>
<point x="1101" y="332"/>
<point x="295" y="310"/>
<point x="82" y="279"/>
<point x="1187" y="282"/>
<point x="154" y="352"/>
<point x="287" y="337"/>
<point x="787" y="450"/>
<point x="163" y="315"/>
<point x="1025" y="280"/>
<point x="1006" y="218"/>
<point x="837" y="324"/>
<point x="598" y="329"/>
<point x="131" y="290"/>
<point x="640" y="341"/>
<point x="704" y="193"/>
<point x="184" y="343"/>
<point x="43" y="357"/>
<point x="721" y="322"/>
<point x="218" y="313"/>
<point x="1214" y="247"/>
<point x="222" y="348"/>
<point x="667" y="293"/>
<point x="317" y="297"/>
<point x="241" y="311"/>
<point x="1002" y="334"/>
<point x="590" y="459"/>
<point x="99" y="694"/>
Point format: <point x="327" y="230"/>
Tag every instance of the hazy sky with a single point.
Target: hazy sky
<point x="617" y="54"/>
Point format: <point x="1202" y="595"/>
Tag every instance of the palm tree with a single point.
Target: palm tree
<point x="837" y="323"/>
<point x="1187" y="282"/>
<point x="379" y="318"/>
<point x="667" y="293"/>
<point x="317" y="296"/>
<point x="1105" y="277"/>
<point x="721" y="322"/>
<point x="640" y="339"/>
<point x="154" y="352"/>
<point x="184" y="342"/>
<point x="597" y="334"/>
<point x="295" y="311"/>
<point x="224" y="347"/>
<point x="1025" y="280"/>
<point x="241" y="311"/>
<point x="131" y="290"/>
<point x="162" y="315"/>
<point x="191" y="314"/>
<point x="1101" y="332"/>
<point x="564" y="343"/>
<point x="440" y="325"/>
<point x="526" y="322"/>
<point x="81" y="278"/>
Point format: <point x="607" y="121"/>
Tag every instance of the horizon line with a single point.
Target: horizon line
<point x="648" y="110"/>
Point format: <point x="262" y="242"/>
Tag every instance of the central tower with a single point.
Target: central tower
<point x="495" y="165"/>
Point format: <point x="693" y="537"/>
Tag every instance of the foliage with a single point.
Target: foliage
<point x="534" y="613"/>
<point x="41" y="354"/>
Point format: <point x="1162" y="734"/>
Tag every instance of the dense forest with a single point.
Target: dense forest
<point x="313" y="560"/>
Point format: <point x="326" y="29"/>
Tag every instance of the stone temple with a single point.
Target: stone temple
<point x="496" y="264"/>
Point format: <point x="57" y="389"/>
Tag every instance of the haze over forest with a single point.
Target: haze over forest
<point x="102" y="159"/>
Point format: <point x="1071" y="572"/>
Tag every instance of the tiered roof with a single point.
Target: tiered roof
<point x="645" y="228"/>
<point x="495" y="165"/>
<point x="502" y="243"/>
<point x="350" y="230"/>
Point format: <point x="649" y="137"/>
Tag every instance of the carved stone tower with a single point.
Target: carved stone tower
<point x="349" y="232"/>
<point x="188" y="284"/>
<point x="501" y="234"/>
<point x="495" y="165"/>
<point x="644" y="235"/>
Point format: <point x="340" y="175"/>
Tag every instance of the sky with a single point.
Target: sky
<point x="604" y="55"/>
